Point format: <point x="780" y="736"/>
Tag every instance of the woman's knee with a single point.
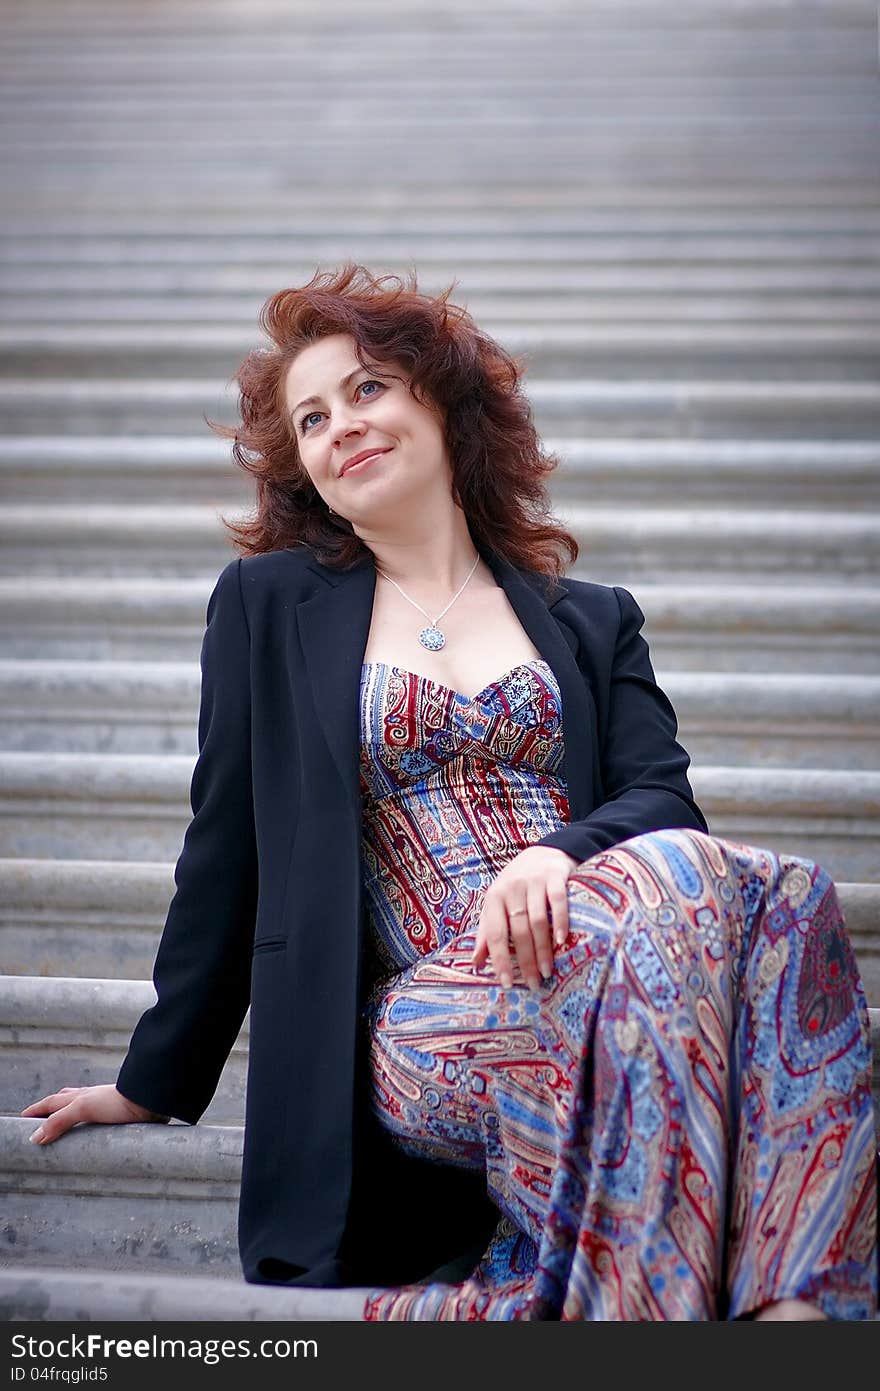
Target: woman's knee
<point x="662" y="864"/>
<point x="800" y="878"/>
<point x="685" y="855"/>
<point x="670" y="837"/>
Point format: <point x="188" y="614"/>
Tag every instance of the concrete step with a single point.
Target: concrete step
<point x="158" y="1198"/>
<point x="617" y="140"/>
<point x="471" y="245"/>
<point x="461" y="46"/>
<point x="147" y="288"/>
<point x="773" y="720"/>
<point x="853" y="302"/>
<point x="463" y="59"/>
<point x="106" y="707"/>
<point x="678" y="98"/>
<point x="555" y="103"/>
<point x="100" y="918"/>
<point x="614" y="146"/>
<point x="62" y="1031"/>
<point x="818" y="473"/>
<point x="776" y="720"/>
<point x="695" y="24"/>
<point x="127" y="170"/>
<point x="138" y="1198"/>
<point x="700" y="626"/>
<point x="36" y="1293"/>
<point x="670" y="349"/>
<point x="525" y="210"/>
<point x="654" y="407"/>
<point x="172" y="204"/>
<point x="136" y="806"/>
<point x="634" y="544"/>
<point x="559" y="104"/>
<point x="103" y="919"/>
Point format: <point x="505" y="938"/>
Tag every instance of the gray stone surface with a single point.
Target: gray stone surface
<point x="62" y="1031"/>
<point x="46" y="1294"/>
<point x="86" y="918"/>
<point x="144" y="1197"/>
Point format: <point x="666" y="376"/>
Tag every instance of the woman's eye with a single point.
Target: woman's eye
<point x="304" y="423"/>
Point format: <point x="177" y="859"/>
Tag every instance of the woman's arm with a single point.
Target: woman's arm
<point x="203" y="964"/>
<point x="644" y="768"/>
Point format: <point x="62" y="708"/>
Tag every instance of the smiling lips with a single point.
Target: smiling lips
<point x="359" y="459"/>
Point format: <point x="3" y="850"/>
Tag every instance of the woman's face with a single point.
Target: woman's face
<point x="341" y="410"/>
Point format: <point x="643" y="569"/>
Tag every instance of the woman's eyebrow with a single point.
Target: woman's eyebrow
<point x="310" y="400"/>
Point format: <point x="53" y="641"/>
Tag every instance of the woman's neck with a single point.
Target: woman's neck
<point x="433" y="566"/>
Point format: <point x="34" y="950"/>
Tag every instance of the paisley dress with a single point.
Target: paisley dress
<point x="678" y="1125"/>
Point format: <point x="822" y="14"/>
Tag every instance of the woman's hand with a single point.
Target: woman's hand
<point x="515" y="908"/>
<point x="74" y="1104"/>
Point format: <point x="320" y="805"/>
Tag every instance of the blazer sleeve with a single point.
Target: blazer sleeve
<point x="203" y="962"/>
<point x="643" y="767"/>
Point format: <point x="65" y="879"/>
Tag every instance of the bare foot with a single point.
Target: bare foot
<point x="791" y="1310"/>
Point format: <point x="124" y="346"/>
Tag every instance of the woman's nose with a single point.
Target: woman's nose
<point x="346" y="424"/>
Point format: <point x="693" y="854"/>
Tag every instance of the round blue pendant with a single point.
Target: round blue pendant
<point x="432" y="638"/>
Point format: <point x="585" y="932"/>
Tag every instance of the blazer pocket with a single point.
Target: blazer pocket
<point x="270" y="944"/>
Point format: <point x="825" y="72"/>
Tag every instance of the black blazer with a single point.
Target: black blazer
<point x="268" y="911"/>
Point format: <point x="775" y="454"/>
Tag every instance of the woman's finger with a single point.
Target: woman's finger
<point x="557" y="893"/>
<point x="495" y="928"/>
<point x="62" y="1119"/>
<point x="540" y="924"/>
<point x="481" y="950"/>
<point x="520" y="927"/>
<point x="49" y="1104"/>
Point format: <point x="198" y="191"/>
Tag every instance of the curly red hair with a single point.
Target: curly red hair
<point x="498" y="467"/>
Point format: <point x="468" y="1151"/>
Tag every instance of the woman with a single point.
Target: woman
<point x="510" y="1001"/>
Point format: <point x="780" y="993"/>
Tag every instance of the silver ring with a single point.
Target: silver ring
<point x="518" y="912"/>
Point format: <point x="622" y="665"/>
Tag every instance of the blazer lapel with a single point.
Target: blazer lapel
<point x="333" y="628"/>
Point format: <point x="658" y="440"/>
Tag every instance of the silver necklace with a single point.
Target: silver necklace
<point x="431" y="637"/>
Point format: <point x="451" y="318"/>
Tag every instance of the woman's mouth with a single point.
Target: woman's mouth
<point x="362" y="463"/>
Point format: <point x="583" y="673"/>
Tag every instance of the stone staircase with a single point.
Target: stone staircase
<point x="674" y="215"/>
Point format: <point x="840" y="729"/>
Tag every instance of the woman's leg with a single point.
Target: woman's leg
<point x="467" y="1073"/>
<point x="606" y="1106"/>
<point x="725" y="1101"/>
<point x="639" y="1196"/>
<point x="803" y="1221"/>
